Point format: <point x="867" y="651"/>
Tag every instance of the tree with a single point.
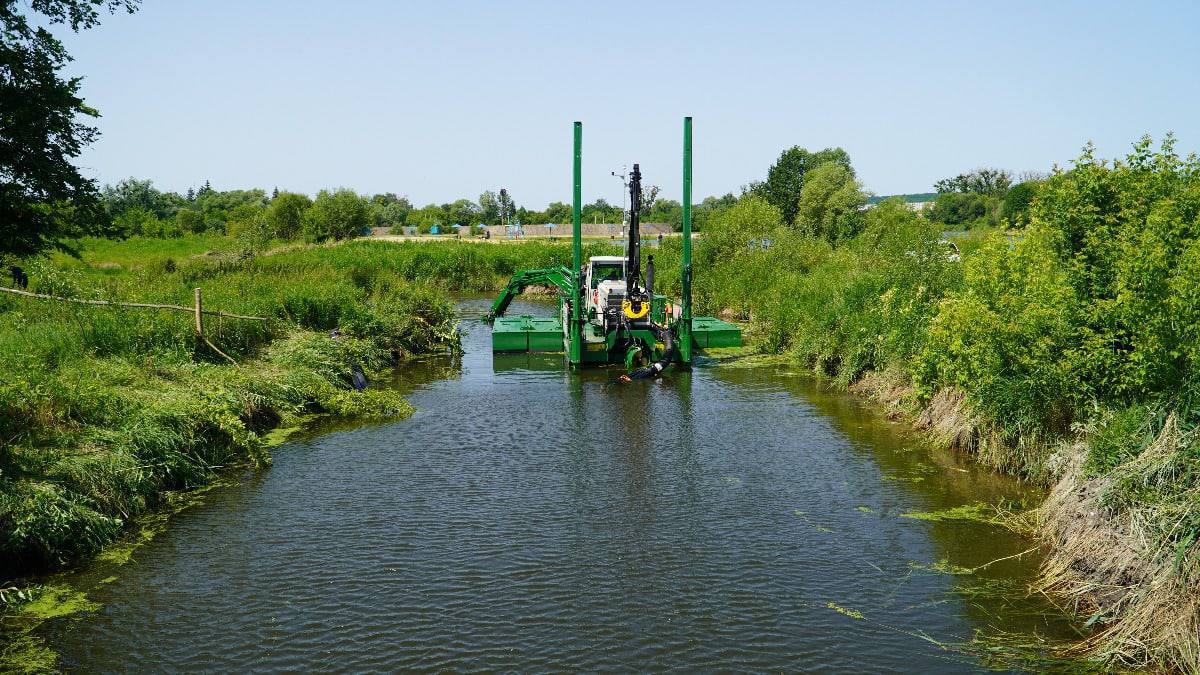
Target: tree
<point x="600" y="211"/>
<point x="830" y="202"/>
<point x="463" y="212"/>
<point x="1017" y="202"/>
<point x="558" y="213"/>
<point x="40" y="128"/>
<point x="649" y="197"/>
<point x="963" y="209"/>
<point x="133" y="193"/>
<point x="508" y="208"/>
<point x="189" y="220"/>
<point x="785" y="179"/>
<point x="218" y="207"/>
<point x="425" y="218"/>
<point x="489" y="208"/>
<point x="991" y="182"/>
<point x="335" y="215"/>
<point x="665" y="211"/>
<point x="706" y="210"/>
<point x="284" y="217"/>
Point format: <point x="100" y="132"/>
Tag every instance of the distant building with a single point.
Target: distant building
<point x="917" y="201"/>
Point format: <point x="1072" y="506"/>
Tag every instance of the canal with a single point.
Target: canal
<point x="530" y="518"/>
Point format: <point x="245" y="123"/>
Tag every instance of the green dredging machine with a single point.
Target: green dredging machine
<point x="608" y="311"/>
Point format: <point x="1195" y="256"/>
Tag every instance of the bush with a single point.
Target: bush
<point x="285" y="215"/>
<point x="829" y="203"/>
<point x="335" y="215"/>
<point x="1014" y="208"/>
<point x="963" y="210"/>
<point x="1005" y="335"/>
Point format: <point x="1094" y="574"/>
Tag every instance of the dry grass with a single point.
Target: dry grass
<point x="1111" y="563"/>
<point x="1113" y="542"/>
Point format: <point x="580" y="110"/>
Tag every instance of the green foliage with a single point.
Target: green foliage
<point x="284" y="216"/>
<point x="41" y="129"/>
<point x="1119" y="436"/>
<point x="388" y="210"/>
<point x="666" y="211"/>
<point x="132" y="193"/>
<point x="962" y="210"/>
<point x="830" y="202"/>
<point x="990" y="182"/>
<point x="340" y="214"/>
<point x="1005" y="336"/>
<point x="1014" y="208"/>
<point x="730" y="254"/>
<point x="103" y="409"/>
<point x="600" y="211"/>
<point x="785" y="179"/>
<point x="189" y="221"/>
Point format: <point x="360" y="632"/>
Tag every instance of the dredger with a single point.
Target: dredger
<point x="608" y="311"/>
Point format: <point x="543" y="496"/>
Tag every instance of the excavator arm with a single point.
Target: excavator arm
<point x="559" y="277"/>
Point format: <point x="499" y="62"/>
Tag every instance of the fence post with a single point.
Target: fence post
<point x="199" y="315"/>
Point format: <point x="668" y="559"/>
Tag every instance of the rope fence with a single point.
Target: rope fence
<point x="197" y="310"/>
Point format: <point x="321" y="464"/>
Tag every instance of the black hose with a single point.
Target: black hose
<point x="655" y="369"/>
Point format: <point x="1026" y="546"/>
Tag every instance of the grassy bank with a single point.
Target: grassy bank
<point x="103" y="410"/>
<point x="1066" y="353"/>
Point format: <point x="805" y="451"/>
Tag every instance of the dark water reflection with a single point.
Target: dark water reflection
<point x="530" y="518"/>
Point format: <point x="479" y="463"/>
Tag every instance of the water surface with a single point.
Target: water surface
<point x="531" y="518"/>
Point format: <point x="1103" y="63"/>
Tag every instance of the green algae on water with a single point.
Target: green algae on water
<point x="978" y="512"/>
<point x="27" y="654"/>
<point x="852" y="613"/>
<point x="54" y="601"/>
<point x="942" y="566"/>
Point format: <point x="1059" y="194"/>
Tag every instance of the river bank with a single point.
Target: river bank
<point x="105" y="410"/>
<point x="1065" y="354"/>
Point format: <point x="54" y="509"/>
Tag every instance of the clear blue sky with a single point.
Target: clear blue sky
<point x="439" y="100"/>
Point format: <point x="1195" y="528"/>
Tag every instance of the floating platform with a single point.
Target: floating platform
<point x="512" y="334"/>
<point x="708" y="332"/>
<point x="527" y="334"/>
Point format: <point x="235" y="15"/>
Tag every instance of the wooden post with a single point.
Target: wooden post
<point x="199" y="315"/>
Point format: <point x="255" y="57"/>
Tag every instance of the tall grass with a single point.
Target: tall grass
<point x="102" y="409"/>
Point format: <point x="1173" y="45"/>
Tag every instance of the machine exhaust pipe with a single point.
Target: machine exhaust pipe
<point x="650" y="277"/>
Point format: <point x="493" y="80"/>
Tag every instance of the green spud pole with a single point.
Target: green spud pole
<point x="685" y="321"/>
<point x="576" y="348"/>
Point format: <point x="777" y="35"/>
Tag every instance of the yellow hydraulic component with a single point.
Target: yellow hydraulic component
<point x="627" y="308"/>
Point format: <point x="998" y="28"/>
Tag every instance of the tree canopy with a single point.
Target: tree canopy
<point x="830" y="201"/>
<point x="985" y="181"/>
<point x="43" y="197"/>
<point x="335" y="215"/>
<point x="785" y="179"/>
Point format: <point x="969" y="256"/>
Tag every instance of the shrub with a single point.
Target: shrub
<point x="285" y="214"/>
<point x="1004" y="336"/>
<point x="829" y="203"/>
<point x="335" y="215"/>
<point x="960" y="209"/>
